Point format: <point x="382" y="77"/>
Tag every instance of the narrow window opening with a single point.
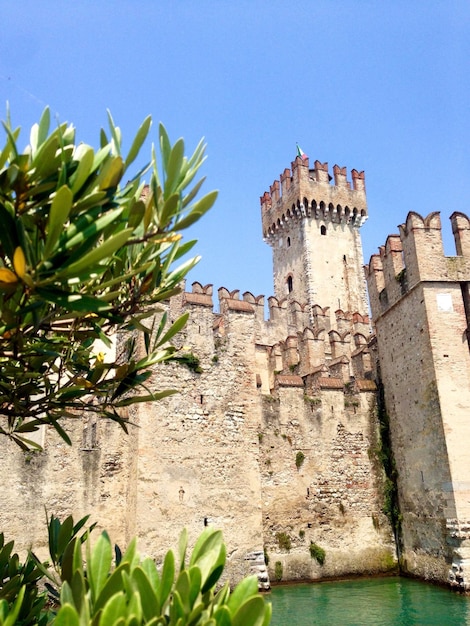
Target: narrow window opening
<point x="288" y="242"/>
<point x="206" y="522"/>
<point x="290" y="284"/>
<point x="201" y="399"/>
<point x="323" y="230"/>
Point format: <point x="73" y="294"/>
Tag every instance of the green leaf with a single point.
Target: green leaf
<point x="110" y="174"/>
<point x="198" y="210"/>
<point x="167" y="577"/>
<point x="60" y="430"/>
<point x="8" y="233"/>
<point x="165" y="146"/>
<point x="12" y="140"/>
<point x="73" y="301"/>
<point x="148" y="398"/>
<point x="65" y="535"/>
<point x="131" y="555"/>
<point x="136" y="214"/>
<point x="66" y="572"/>
<point x="112" y="586"/>
<point x="182" y="547"/>
<point x="114" y="609"/>
<point x="114" y="133"/>
<point x="182" y="586"/>
<point x="251" y="612"/>
<point x="245" y="589"/>
<point x="222" y="616"/>
<point x="173" y="170"/>
<point x="169" y="210"/>
<point x="85" y="156"/>
<point x="76" y="235"/>
<point x="174" y="329"/>
<point x="59" y="213"/>
<point x="193" y="193"/>
<point x="89" y="201"/>
<point x="206" y="540"/>
<point x="99" y="561"/>
<point x="43" y="128"/>
<point x="139" y="139"/>
<point x="97" y="255"/>
<point x="150" y="604"/>
<point x="67" y="616"/>
<point x="195" y="578"/>
<point x="177" y="610"/>
<point x="15" y="609"/>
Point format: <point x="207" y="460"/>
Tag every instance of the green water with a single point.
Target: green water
<point x="374" y="602"/>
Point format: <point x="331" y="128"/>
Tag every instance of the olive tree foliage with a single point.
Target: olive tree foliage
<point x="87" y="250"/>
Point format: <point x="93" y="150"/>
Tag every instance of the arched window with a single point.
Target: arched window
<point x="290" y="285"/>
<point x="323" y="230"/>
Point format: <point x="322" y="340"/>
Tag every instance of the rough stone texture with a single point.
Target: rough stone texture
<point x="274" y="440"/>
<point x="419" y="300"/>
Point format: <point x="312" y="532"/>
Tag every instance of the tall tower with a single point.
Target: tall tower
<point x="313" y="229"/>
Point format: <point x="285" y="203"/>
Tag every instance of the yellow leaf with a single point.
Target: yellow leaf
<point x="83" y="382"/>
<point x="19" y="262"/>
<point x="99" y="358"/>
<point x="7" y="276"/>
<point x="121" y="371"/>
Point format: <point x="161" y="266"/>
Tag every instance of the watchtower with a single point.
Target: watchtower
<point x="313" y="229"/>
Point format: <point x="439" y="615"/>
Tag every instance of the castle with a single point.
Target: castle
<point x="276" y="436"/>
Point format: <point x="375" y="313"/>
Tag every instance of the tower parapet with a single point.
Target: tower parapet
<point x="303" y="191"/>
<point x="417" y="255"/>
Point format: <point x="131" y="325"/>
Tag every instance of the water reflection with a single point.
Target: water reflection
<point x="374" y="602"/>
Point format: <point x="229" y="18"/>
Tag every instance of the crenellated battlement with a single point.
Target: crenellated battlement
<point x="293" y="336"/>
<point x="416" y="255"/>
<point x="304" y="192"/>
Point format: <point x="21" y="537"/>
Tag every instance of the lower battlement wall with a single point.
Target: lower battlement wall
<point x="280" y="455"/>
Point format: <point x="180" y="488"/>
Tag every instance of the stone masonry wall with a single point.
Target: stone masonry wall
<point x="419" y="311"/>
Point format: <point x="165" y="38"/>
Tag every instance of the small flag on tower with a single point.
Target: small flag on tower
<point x="301" y="153"/>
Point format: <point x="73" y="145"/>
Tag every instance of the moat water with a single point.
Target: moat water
<point x="368" y="602"/>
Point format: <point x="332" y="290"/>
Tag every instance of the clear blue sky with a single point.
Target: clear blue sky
<point x="373" y="85"/>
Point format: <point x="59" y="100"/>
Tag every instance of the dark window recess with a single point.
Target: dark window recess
<point x="323" y="230"/>
<point x="288" y="242"/>
<point x="290" y="284"/>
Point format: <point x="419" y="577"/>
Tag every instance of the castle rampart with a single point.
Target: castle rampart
<point x="418" y="302"/>
<point x="274" y="436"/>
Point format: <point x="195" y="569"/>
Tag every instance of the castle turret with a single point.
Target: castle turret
<point x="313" y="229"/>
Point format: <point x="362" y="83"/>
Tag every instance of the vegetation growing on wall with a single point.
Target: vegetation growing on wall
<point x="386" y="458"/>
<point x="299" y="459"/>
<point x="284" y="541"/>
<point x="317" y="553"/>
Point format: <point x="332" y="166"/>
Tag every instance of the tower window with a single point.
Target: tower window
<point x="288" y="242"/>
<point x="290" y="285"/>
<point x="323" y="230"/>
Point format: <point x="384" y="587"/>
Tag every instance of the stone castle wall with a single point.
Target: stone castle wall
<point x="419" y="306"/>
<point x="274" y="436"/>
